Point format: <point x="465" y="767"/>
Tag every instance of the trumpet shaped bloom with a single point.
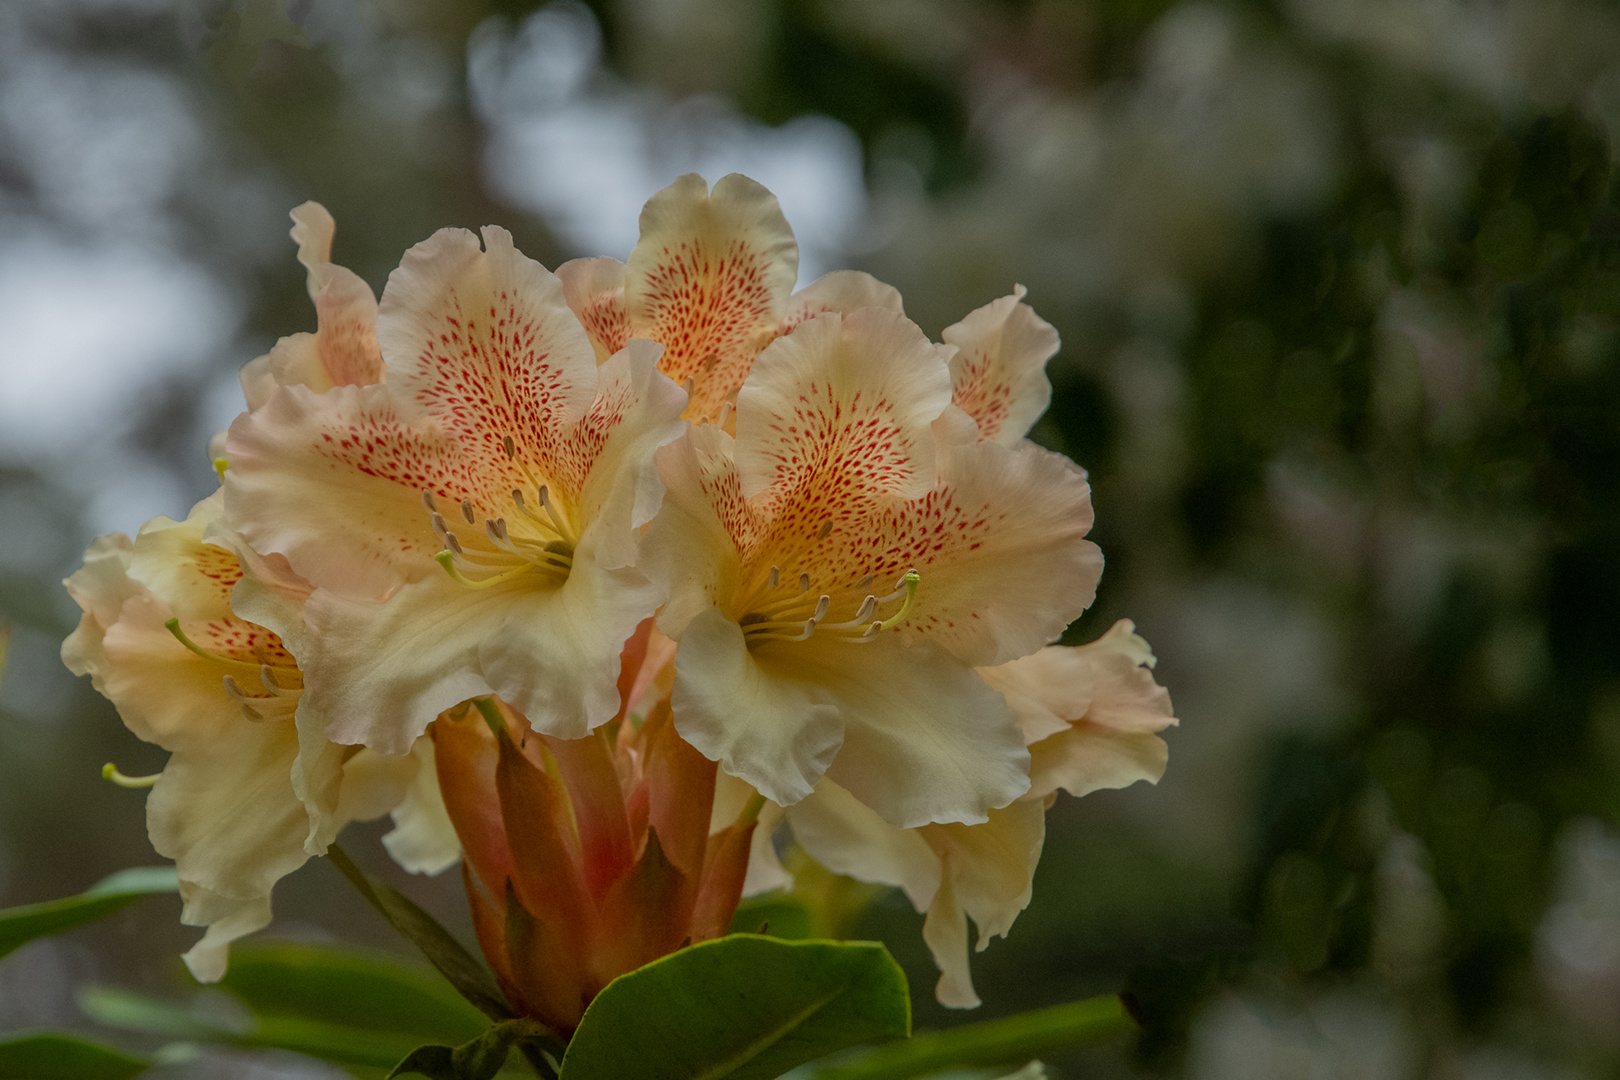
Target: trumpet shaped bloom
<point x="839" y="569"/>
<point x="711" y="279"/>
<point x="586" y="858"/>
<point x="160" y="639"/>
<point x="470" y="524"/>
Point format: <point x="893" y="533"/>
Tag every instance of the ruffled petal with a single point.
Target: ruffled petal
<point x="998" y="375"/>
<point x="594" y="289"/>
<point x="227" y="920"/>
<point x="759" y="718"/>
<point x="379" y="672"/>
<point x="841" y="291"/>
<point x="925" y="740"/>
<point x="423" y="839"/>
<point x="709" y="279"/>
<point x="100" y="587"/>
<point x="848" y="837"/>
<point x="636" y="411"/>
<point x="950" y="872"/>
<point x="1046" y="690"/>
<point x="694" y="543"/>
<point x="1090" y="757"/>
<point x="224" y="809"/>
<point x="838" y="414"/>
<point x="1000" y="546"/>
<point x="482" y="343"/>
<point x="334" y="482"/>
<point x="1090" y="713"/>
<point x="345" y="346"/>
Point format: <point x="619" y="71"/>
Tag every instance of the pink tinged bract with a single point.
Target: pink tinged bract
<point x="472" y="525"/>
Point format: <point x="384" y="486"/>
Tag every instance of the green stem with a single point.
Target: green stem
<point x="1011" y="1041"/>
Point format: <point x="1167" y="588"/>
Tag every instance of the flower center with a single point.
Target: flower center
<point x="782" y="612"/>
<point x="278" y="684"/>
<point x="539" y="538"/>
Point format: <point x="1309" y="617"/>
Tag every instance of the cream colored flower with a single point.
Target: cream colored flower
<point x="159" y="638"/>
<point x="950" y="872"/>
<point x="838" y="570"/>
<point x="711" y="280"/>
<point x="471" y="525"/>
<point x="1089" y="713"/>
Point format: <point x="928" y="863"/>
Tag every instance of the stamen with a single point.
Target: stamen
<point x="467" y="512"/>
<point x="821" y="608"/>
<point x="826" y="527"/>
<point x="452" y="543"/>
<point x="220" y="465"/>
<point x="428" y="503"/>
<point x="441" y="530"/>
<point x="774" y="578"/>
<point x="110" y="771"/>
<point x="910" y="581"/>
<point x="509" y="446"/>
<point x="809" y="628"/>
<point x="725" y="411"/>
<point x="865" y="582"/>
<point x="862" y="614"/>
<point x="804" y="583"/>
<point x="173" y="627"/>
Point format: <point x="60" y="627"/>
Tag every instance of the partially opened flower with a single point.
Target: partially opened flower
<point x="586" y="858"/>
<point x="471" y="525"/>
<point x="840" y="568"/>
<point x="711" y="280"/>
<point x="159" y="638"/>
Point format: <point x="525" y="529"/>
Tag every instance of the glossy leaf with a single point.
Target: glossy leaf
<point x="64" y="1057"/>
<point x="479" y="1059"/>
<point x="742" y="1007"/>
<point x="20" y="925"/>
<point x="464" y="971"/>
<point x="350" y="988"/>
<point x="1008" y="1041"/>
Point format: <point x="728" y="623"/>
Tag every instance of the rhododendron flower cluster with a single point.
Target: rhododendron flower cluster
<point x="612" y="580"/>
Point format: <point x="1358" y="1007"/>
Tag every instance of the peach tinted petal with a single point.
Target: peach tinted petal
<point x="594" y="289"/>
<point x="998" y="375"/>
<point x="841" y="291"/>
<point x="482" y="343"/>
<point x="709" y="279"/>
<point x="838" y="413"/>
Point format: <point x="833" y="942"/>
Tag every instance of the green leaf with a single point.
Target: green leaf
<point x="740" y="1007"/>
<point x="995" y="1042"/>
<point x="329" y="1042"/>
<point x="20" y="925"/>
<point x="466" y="972"/>
<point x="479" y="1059"/>
<point x="63" y="1057"/>
<point x="350" y="988"/>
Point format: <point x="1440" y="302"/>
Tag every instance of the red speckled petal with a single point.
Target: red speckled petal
<point x="837" y="415"/>
<point x="693" y="547"/>
<point x="709" y="279"/>
<point x="1000" y="546"/>
<point x="334" y="482"/>
<point x="482" y="343"/>
<point x="594" y="289"/>
<point x="998" y="375"/>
